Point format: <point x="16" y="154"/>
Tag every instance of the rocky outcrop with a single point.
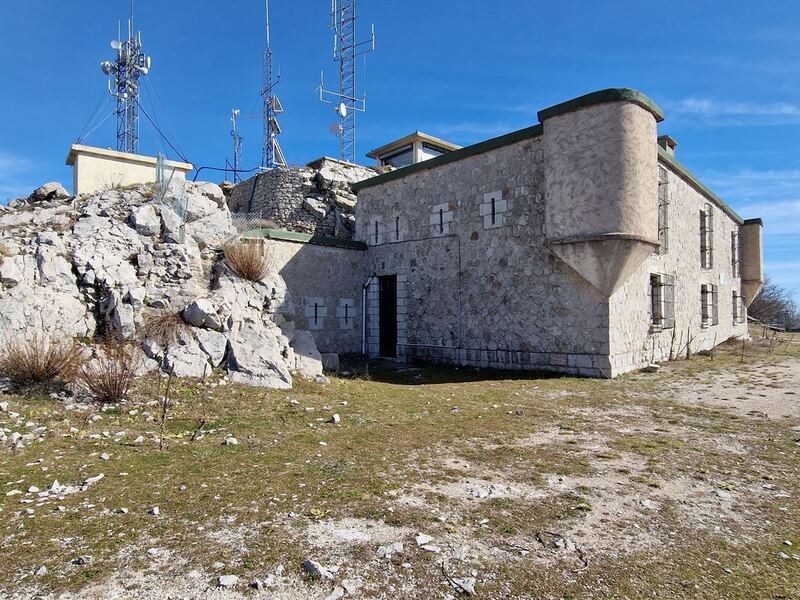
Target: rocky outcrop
<point x="106" y="264"/>
<point x="315" y="199"/>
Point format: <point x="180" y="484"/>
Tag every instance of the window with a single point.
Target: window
<point x="399" y="158"/>
<point x="376" y="232"/>
<point x="735" y="254"/>
<point x="662" y="301"/>
<point x="739" y="311"/>
<point x="431" y="150"/>
<point x="494" y="210"/>
<point x="441" y="220"/>
<point x="663" y="211"/>
<point x="707" y="237"/>
<point x="709" y="307"/>
<point x="397" y="229"/>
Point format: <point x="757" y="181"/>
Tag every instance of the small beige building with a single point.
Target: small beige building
<point x="579" y="244"/>
<point x="95" y="169"/>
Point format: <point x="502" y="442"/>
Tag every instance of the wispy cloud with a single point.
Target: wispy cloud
<point x="472" y="129"/>
<point x="15" y="176"/>
<point x="716" y="112"/>
<point x="747" y="185"/>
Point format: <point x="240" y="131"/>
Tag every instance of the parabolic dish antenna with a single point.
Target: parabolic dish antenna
<point x="335" y="129"/>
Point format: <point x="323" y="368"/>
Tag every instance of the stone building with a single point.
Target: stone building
<point x="578" y="245"/>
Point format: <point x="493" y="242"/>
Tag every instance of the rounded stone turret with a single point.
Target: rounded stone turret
<point x="601" y="182"/>
<point x="752" y="260"/>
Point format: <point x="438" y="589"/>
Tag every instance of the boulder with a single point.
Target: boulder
<point x="307" y="359"/>
<point x="214" y="344"/>
<point x="255" y="358"/>
<point x="315" y="207"/>
<point x="187" y="360"/>
<point x="146" y="221"/>
<point x="49" y="191"/>
<point x="202" y="313"/>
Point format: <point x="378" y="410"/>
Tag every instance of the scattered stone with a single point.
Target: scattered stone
<point x="465" y="585"/>
<point x="154" y="511"/>
<point x="389" y="550"/>
<point x="351" y="586"/>
<point x="336" y="594"/>
<point x="652" y="368"/>
<point x="316" y="570"/>
<point x="105" y="456"/>
<point x="3" y="406"/>
<point x="33" y="489"/>
<point x="40" y="571"/>
<point x="335" y="419"/>
<point x="81" y="560"/>
<point x="194" y="574"/>
<point x="423" y="539"/>
<point x="230" y="441"/>
<point x="227" y="581"/>
<point x="431" y="548"/>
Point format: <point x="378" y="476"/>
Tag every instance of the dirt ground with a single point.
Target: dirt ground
<point x="436" y="483"/>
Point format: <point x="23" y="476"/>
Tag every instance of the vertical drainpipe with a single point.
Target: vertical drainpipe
<point x="364" y="314"/>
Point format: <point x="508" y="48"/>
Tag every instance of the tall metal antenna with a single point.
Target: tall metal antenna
<point x="345" y="51"/>
<point x="131" y="63"/>
<point x="271" y="153"/>
<point x="237" y="147"/>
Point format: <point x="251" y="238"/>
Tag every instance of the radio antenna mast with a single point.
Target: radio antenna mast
<point x="345" y="52"/>
<point x="237" y="147"/>
<point x="124" y="73"/>
<point x="271" y="154"/>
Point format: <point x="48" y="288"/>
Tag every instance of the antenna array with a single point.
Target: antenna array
<point x="130" y="64"/>
<point x="237" y="147"/>
<point x="271" y="154"/>
<point x="345" y="52"/>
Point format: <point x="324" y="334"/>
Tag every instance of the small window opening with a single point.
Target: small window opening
<point x="316" y="313"/>
<point x="441" y="221"/>
<point x="494" y="210"/>
<point x="346" y="314"/>
<point x="376" y="232"/>
<point x="397" y="228"/>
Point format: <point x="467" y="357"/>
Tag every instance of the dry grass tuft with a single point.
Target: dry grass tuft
<point x="108" y="378"/>
<point x="247" y="259"/>
<point x="39" y="359"/>
<point x="163" y="328"/>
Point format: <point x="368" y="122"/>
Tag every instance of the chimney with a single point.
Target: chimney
<point x="668" y="144"/>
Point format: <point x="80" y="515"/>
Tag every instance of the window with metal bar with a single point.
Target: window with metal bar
<point x="707" y="237"/>
<point x="662" y="301"/>
<point x="663" y="211"/>
<point x="735" y="254"/>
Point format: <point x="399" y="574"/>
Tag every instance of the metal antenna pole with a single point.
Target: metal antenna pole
<point x="130" y="64"/>
<point x="345" y="52"/>
<point x="237" y="147"/>
<point x="271" y="153"/>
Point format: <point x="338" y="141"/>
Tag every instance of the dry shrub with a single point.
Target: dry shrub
<point x="163" y="328"/>
<point x="39" y="359"/>
<point x="247" y="259"/>
<point x="108" y="378"/>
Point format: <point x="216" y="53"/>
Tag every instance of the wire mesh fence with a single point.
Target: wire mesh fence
<point x="247" y="221"/>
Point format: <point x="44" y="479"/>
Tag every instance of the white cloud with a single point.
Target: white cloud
<point x="709" y="107"/>
<point x="15" y="176"/>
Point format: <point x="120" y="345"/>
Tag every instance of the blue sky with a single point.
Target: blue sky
<point x="726" y="73"/>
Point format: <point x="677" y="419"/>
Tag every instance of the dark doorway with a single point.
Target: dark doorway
<point x="388" y="315"/>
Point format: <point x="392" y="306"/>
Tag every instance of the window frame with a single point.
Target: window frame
<point x="707" y="237"/>
<point x="663" y="211"/>
<point x="662" y="301"/>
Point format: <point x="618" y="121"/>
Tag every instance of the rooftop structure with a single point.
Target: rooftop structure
<point x="411" y="149"/>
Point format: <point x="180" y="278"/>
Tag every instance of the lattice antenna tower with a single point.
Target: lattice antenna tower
<point x="345" y="51"/>
<point x="237" y="146"/>
<point x="124" y="72"/>
<point x="271" y="154"/>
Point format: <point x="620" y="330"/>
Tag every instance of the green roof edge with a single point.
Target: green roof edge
<point x="452" y="156"/>
<point x="665" y="157"/>
<point x="599" y="97"/>
<point x="756" y="221"/>
<point x="304" y="238"/>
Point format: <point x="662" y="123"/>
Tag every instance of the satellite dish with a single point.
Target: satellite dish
<point x="335" y="129"/>
<point x="144" y="70"/>
<point x="342" y="110"/>
<point x="148" y="61"/>
<point x="236" y="112"/>
<point x="107" y="67"/>
<point x="116" y="44"/>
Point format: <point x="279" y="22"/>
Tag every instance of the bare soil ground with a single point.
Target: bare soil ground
<point x="682" y="483"/>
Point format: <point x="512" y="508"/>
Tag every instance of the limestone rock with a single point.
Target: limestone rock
<point x="315" y="207"/>
<point x="202" y="313"/>
<point x="49" y="191"/>
<point x="213" y="343"/>
<point x="307" y="359"/>
<point x="187" y="360"/>
<point x="145" y="220"/>
<point x="255" y="358"/>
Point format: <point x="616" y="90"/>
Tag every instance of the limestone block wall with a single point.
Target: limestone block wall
<point x="476" y="292"/>
<point x="324" y="283"/>
<point x="633" y="342"/>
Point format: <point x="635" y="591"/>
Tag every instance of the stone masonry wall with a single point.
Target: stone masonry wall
<point x="308" y="200"/>
<point x="633" y="342"/>
<point x="324" y="283"/>
<point x="492" y="289"/>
